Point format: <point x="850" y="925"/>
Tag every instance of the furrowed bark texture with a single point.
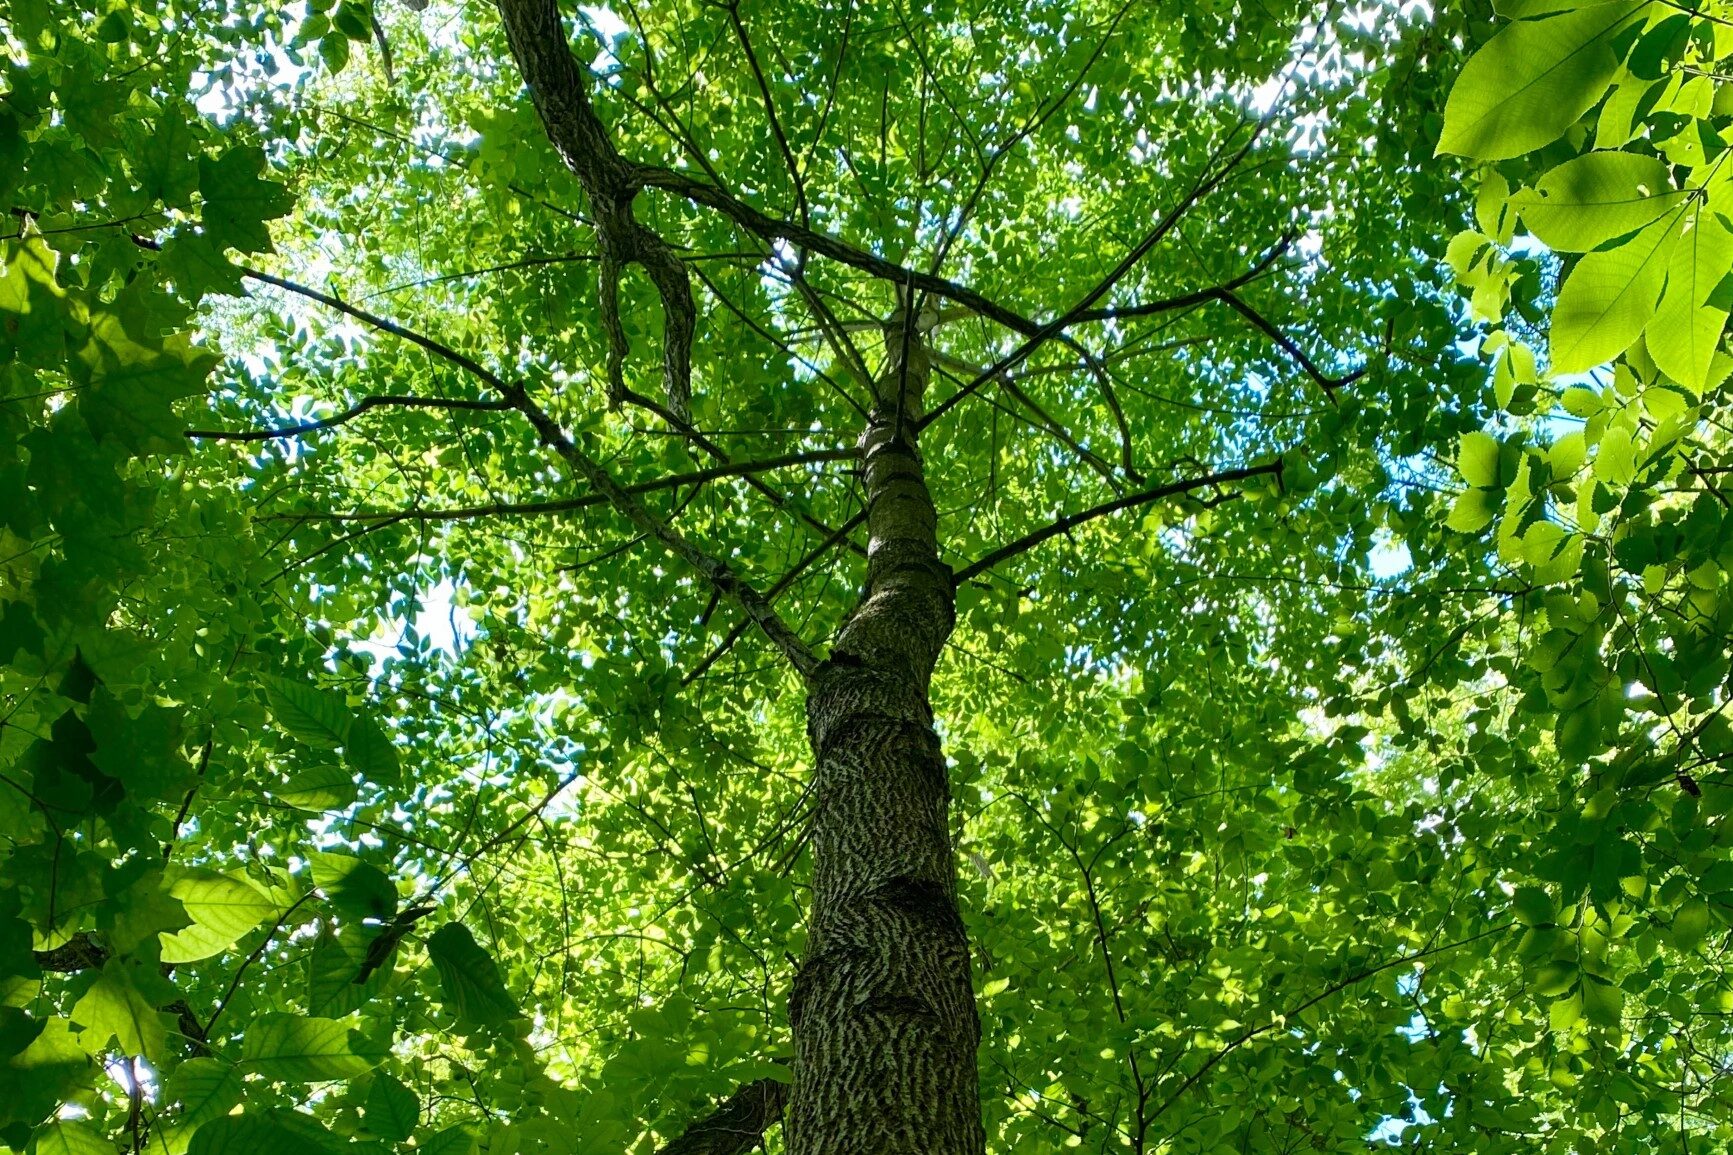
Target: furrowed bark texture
<point x="883" y="1014"/>
<point x="737" y="1126"/>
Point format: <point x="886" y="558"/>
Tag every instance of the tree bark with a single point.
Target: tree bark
<point x="883" y="1014"/>
<point x="737" y="1126"/>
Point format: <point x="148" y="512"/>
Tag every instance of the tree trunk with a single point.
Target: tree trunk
<point x="883" y="1013"/>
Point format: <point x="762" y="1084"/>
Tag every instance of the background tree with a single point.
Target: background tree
<point x="612" y="582"/>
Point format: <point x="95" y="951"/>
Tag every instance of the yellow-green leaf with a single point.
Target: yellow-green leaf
<point x="1532" y="81"/>
<point x="1686" y="329"/>
<point x="1473" y="510"/>
<point x="1584" y="203"/>
<point x="1477" y="459"/>
<point x="301" y="1048"/>
<point x="223" y="908"/>
<point x="1608" y="298"/>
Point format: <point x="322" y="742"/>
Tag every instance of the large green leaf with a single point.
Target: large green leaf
<point x="238" y="202"/>
<point x="1477" y="459"/>
<point x="305" y="1049"/>
<point x="470" y="978"/>
<point x="31" y="326"/>
<point x="1532" y="81"/>
<point x="203" y="1089"/>
<point x="317" y="717"/>
<point x="369" y="750"/>
<point x="261" y="1133"/>
<point x="1530" y="9"/>
<point x="65" y="1137"/>
<point x="1686" y="329"/>
<point x="318" y="788"/>
<point x="354" y="887"/>
<point x="333" y="965"/>
<point x="1584" y="203"/>
<point x="391" y="1109"/>
<point x="222" y="907"/>
<point x="115" y="1010"/>
<point x="48" y="1065"/>
<point x="1609" y="297"/>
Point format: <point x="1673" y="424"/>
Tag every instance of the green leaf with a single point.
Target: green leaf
<point x="237" y="201"/>
<point x="333" y="965"/>
<point x="165" y="159"/>
<point x="223" y="908"/>
<point x="202" y="1090"/>
<point x="303" y="1049"/>
<point x="315" y="717"/>
<point x="355" y="887"/>
<point x="469" y="977"/>
<point x="31" y="327"/>
<point x="451" y="1141"/>
<point x="64" y="1137"/>
<point x="1529" y="9"/>
<point x="1555" y="979"/>
<point x="49" y="1068"/>
<point x="1686" y="329"/>
<point x="1578" y="735"/>
<point x="1473" y="510"/>
<point x="1690" y="925"/>
<point x="1608" y="299"/>
<point x="1533" y="906"/>
<point x="1477" y="459"/>
<point x="1566" y="1013"/>
<point x="1584" y="203"/>
<point x="114" y="1009"/>
<point x="1616" y="457"/>
<point x="318" y="789"/>
<point x="391" y="1109"/>
<point x="1603" y="1001"/>
<point x="131" y="387"/>
<point x="1532" y="81"/>
<point x="260" y="1133"/>
<point x="197" y="266"/>
<point x="369" y="751"/>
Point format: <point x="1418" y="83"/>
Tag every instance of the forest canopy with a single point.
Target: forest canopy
<point x="865" y="579"/>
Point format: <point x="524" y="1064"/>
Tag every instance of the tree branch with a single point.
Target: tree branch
<point x="345" y="417"/>
<point x="373" y="320"/>
<point x="776" y="591"/>
<point x="544" y="55"/>
<point x="1228" y="294"/>
<point x="771" y="229"/>
<point x="776" y="130"/>
<point x="1325" y="381"/>
<point x="78" y="953"/>
<point x="1334" y="988"/>
<point x="1130" y="501"/>
<point x="583" y="501"/>
<point x="1045" y="420"/>
<point x="738" y="1125"/>
<point x="697" y="437"/>
<point x="1188" y="300"/>
<point x="716" y="571"/>
<point x="1202" y="187"/>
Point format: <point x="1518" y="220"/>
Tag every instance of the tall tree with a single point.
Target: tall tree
<point x="856" y="579"/>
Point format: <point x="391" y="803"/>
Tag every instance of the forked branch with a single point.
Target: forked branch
<point x="544" y="56"/>
<point x="1131" y="501"/>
